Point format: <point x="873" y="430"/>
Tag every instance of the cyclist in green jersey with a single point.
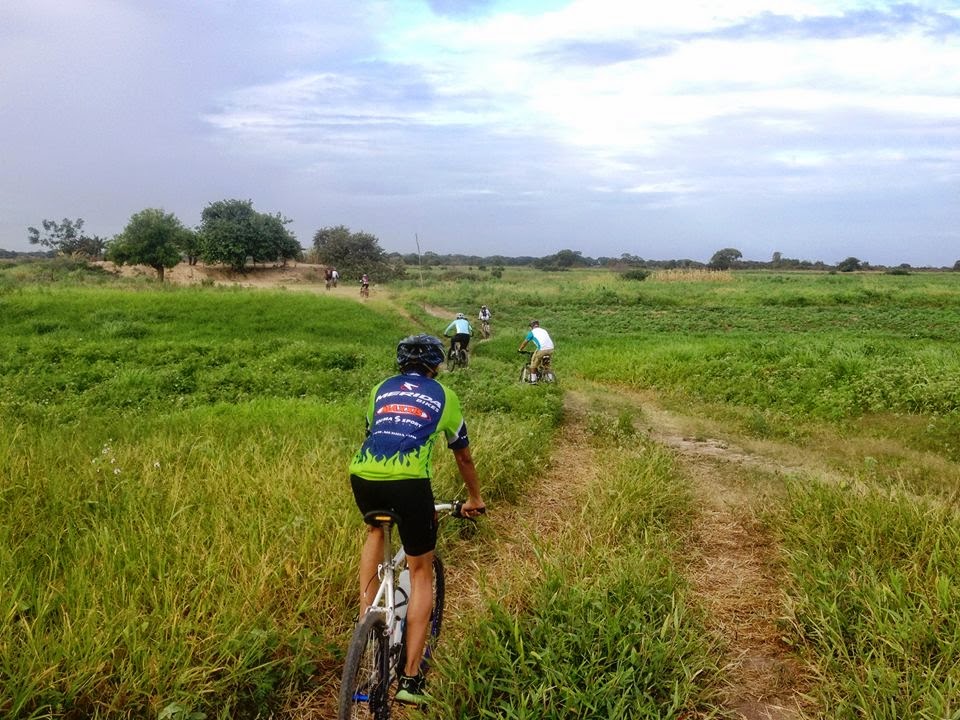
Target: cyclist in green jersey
<point x="406" y="414"/>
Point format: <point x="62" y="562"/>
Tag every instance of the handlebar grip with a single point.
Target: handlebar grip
<point x="457" y="511"/>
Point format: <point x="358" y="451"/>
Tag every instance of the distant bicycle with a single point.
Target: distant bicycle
<point x="457" y="357"/>
<point x="545" y="370"/>
<point x="365" y="291"/>
<point x="485" y="329"/>
<point x="377" y="651"/>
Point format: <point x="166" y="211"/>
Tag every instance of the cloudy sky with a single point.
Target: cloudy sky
<point x="819" y="129"/>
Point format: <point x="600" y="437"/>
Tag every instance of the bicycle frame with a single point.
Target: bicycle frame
<point x="377" y="650"/>
<point x="385" y="601"/>
<point x="545" y="364"/>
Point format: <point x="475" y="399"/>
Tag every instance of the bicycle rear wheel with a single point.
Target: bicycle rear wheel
<point x="366" y="672"/>
<point x="436" y="619"/>
<point x="548" y="376"/>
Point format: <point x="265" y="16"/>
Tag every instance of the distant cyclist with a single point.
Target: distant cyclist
<point x="335" y="276"/>
<point x="484" y="318"/>
<point x="461" y="330"/>
<point x="544" y="344"/>
<point x="365" y="285"/>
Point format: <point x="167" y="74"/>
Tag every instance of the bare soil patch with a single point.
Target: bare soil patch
<point x="304" y="276"/>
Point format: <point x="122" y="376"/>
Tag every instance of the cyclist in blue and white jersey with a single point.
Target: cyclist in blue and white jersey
<point x="406" y="415"/>
<point x="544" y="344"/>
<point x="461" y="329"/>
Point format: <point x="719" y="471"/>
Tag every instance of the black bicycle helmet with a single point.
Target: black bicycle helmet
<point x="423" y="350"/>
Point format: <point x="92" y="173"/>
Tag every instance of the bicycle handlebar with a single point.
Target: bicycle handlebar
<point x="455" y="508"/>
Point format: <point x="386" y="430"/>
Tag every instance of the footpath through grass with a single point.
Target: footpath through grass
<point x="592" y="620"/>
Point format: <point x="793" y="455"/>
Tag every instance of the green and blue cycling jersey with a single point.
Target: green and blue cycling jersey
<point x="405" y="416"/>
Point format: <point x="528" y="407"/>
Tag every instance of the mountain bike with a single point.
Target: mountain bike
<point x="365" y="291"/>
<point x="457" y="357"/>
<point x="546" y="371"/>
<point x="377" y="652"/>
<point x="485" y="329"/>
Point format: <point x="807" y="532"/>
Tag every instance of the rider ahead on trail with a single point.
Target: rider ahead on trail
<point x="461" y="330"/>
<point x="541" y="339"/>
<point x="484" y="315"/>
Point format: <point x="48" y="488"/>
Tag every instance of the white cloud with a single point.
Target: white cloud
<point x="546" y="112"/>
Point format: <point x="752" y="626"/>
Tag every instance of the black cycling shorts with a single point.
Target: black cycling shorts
<point x="462" y="338"/>
<point x="412" y="500"/>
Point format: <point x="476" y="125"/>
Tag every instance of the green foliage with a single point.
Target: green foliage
<point x="724" y="259"/>
<point x="850" y="264"/>
<point x="563" y="260"/>
<point x="67" y="237"/>
<point x="635" y="274"/>
<point x="65" y="270"/>
<point x="875" y="596"/>
<point x="634" y="650"/>
<point x="232" y="231"/>
<point x="152" y="237"/>
<point x="355" y="253"/>
<point x="178" y="536"/>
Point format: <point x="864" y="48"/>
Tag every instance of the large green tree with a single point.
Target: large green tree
<point x="354" y="253"/>
<point x="152" y="237"/>
<point x="231" y="231"/>
<point x="850" y="264"/>
<point x="563" y="260"/>
<point x="67" y="237"/>
<point x="724" y="259"/>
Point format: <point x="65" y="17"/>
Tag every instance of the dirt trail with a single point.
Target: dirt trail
<point x="732" y="570"/>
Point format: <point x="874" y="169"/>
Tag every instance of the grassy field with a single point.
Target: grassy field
<point x="179" y="539"/>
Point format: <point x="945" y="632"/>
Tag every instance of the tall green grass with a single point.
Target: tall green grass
<point x="178" y="535"/>
<point x="874" y="596"/>
<point x="603" y="628"/>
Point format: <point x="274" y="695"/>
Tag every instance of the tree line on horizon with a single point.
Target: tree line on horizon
<point x="232" y="233"/>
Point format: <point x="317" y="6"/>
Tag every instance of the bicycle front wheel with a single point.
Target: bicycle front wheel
<point x="366" y="673"/>
<point x="525" y="374"/>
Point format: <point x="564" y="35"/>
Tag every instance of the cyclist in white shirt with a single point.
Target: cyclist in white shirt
<point x="544" y="344"/>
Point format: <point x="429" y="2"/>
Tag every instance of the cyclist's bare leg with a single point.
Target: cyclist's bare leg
<point x="418" y="611"/>
<point x="370" y="558"/>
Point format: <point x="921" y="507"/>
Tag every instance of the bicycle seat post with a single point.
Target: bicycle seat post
<point x="385" y="520"/>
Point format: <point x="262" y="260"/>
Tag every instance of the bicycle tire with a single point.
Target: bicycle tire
<point x="457" y="358"/>
<point x="436" y="619"/>
<point x="549" y="377"/>
<point x="525" y="374"/>
<point x="365" y="684"/>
